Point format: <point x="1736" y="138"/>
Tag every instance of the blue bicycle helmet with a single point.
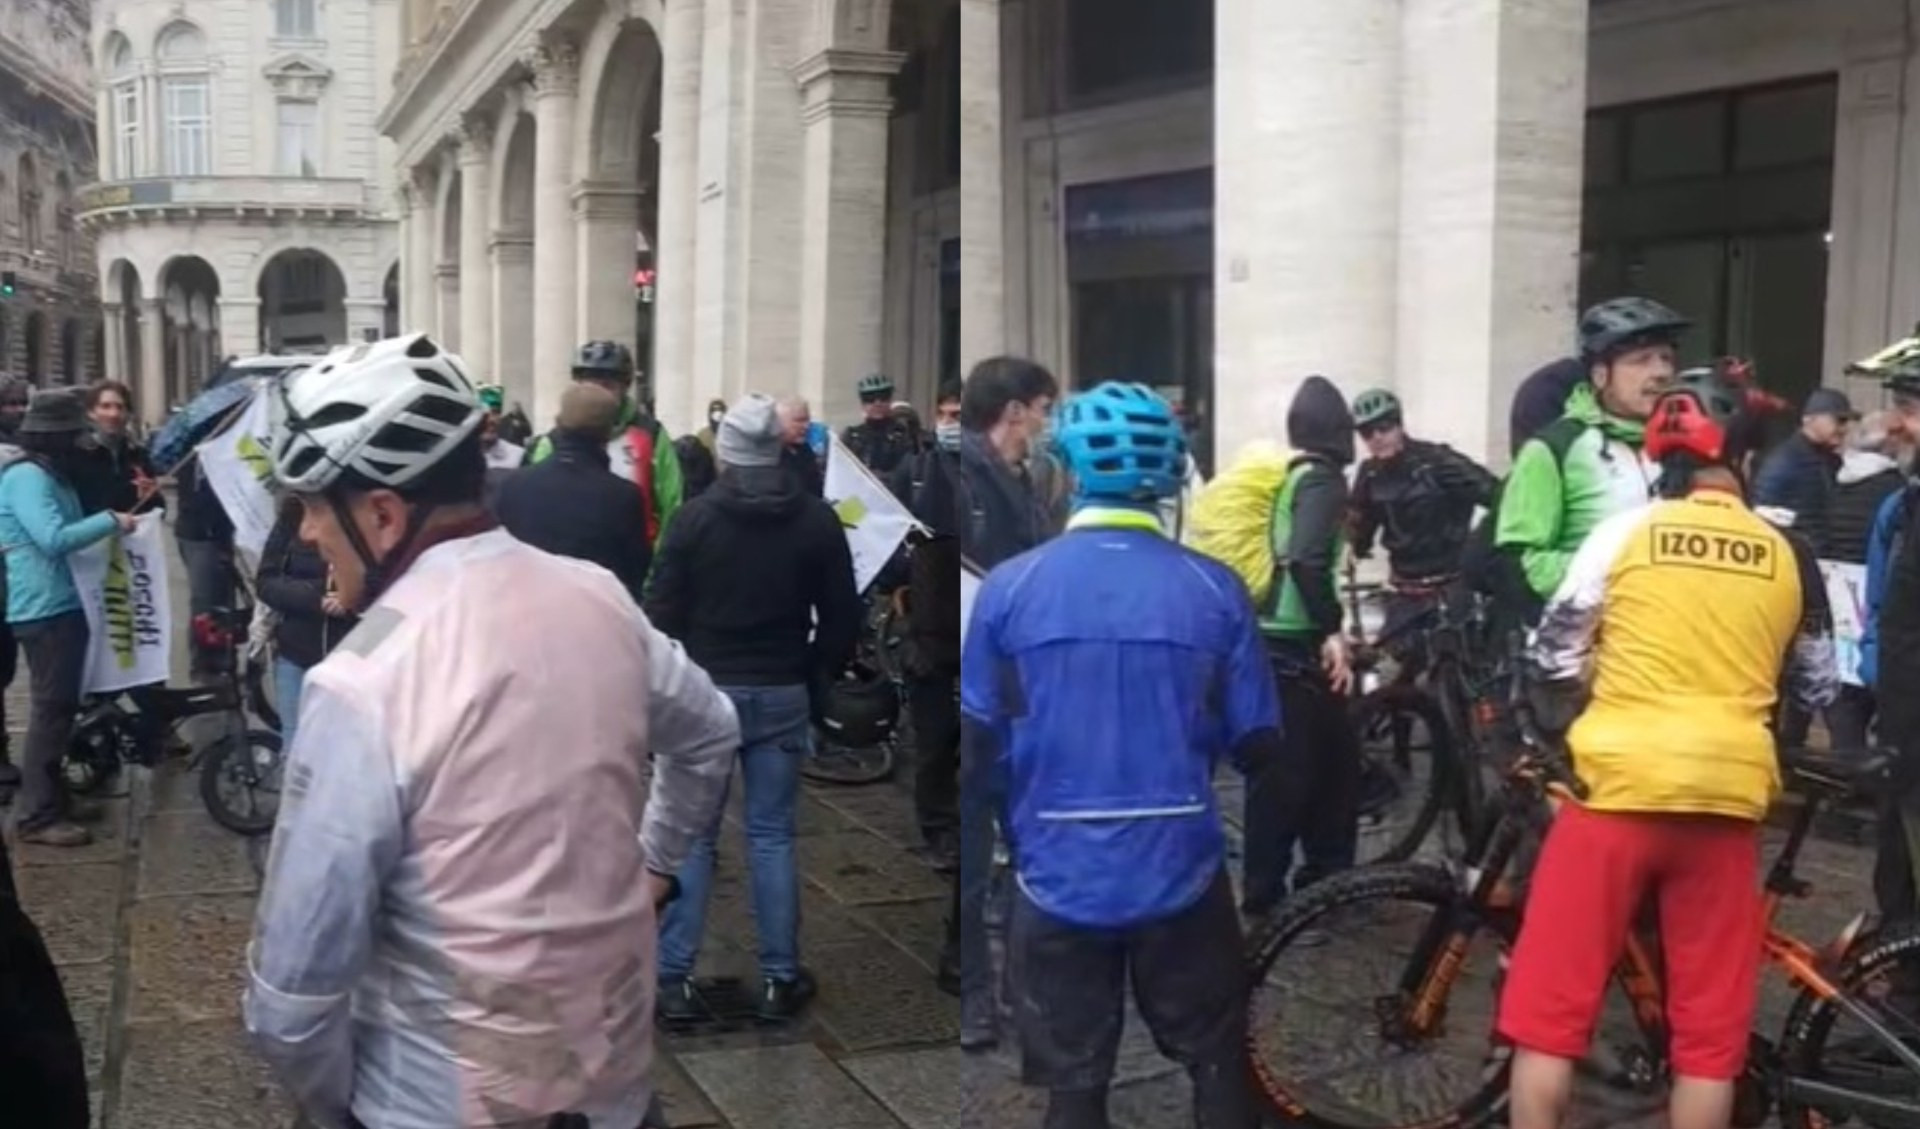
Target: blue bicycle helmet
<point x="1122" y="443"/>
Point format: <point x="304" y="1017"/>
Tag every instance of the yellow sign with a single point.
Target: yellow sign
<point x="1716" y="550"/>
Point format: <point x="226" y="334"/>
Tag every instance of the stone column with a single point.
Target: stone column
<point x="1493" y="102"/>
<point x="1865" y="308"/>
<point x="476" y="266"/>
<point x="113" y="340"/>
<point x="404" y="209"/>
<point x="673" y="370"/>
<point x="606" y="220"/>
<point x="420" y="310"/>
<point x="1306" y="179"/>
<point x="846" y="103"/>
<point x="152" y="392"/>
<point x="512" y="259"/>
<point x="555" y="63"/>
<point x="446" y="284"/>
<point x="239" y="327"/>
<point x="983" y="206"/>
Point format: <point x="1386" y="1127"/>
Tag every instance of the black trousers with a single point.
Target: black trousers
<point x="1316" y="811"/>
<point x="1070" y="985"/>
<point x="936" y="769"/>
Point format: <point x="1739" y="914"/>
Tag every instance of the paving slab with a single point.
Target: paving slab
<point x="188" y="957"/>
<point x="681" y="1101"/>
<point x="89" y="990"/>
<point x="76" y="907"/>
<point x="918" y="929"/>
<point x="879" y="809"/>
<point x="857" y="868"/>
<point x="921" y="1088"/>
<point x="196" y="1076"/>
<point x="872" y="996"/>
<point x="785" y="1088"/>
<point x="187" y="853"/>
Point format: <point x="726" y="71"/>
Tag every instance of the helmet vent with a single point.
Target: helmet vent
<point x="332" y="414"/>
<point x="422" y="347"/>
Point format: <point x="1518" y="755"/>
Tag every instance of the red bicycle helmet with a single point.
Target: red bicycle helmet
<point x="1711" y="413"/>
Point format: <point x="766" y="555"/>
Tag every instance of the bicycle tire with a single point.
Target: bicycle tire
<point x="1387" y="702"/>
<point x="215" y="764"/>
<point x="822" y="767"/>
<point x="1803" y="1037"/>
<point x="1419" y="883"/>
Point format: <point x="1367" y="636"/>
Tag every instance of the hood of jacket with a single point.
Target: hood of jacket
<point x="1319" y="421"/>
<point x="1858" y="466"/>
<point x="575" y="446"/>
<point x="1583" y="404"/>
<point x="758" y="493"/>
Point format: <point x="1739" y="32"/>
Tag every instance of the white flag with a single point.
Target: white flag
<point x="123" y="590"/>
<point x="240" y="472"/>
<point x="875" y="521"/>
<point x="1847" y="600"/>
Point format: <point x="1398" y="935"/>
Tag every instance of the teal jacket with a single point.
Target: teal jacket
<point x="40" y="524"/>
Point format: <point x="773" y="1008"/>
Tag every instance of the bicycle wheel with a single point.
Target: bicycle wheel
<point x="838" y="764"/>
<point x="1822" y="1042"/>
<point x="1406" y="771"/>
<point x="258" y="685"/>
<point x="240" y="781"/>
<point x="1329" y="1038"/>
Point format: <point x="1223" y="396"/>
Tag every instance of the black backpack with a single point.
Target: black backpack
<point x="1498" y="572"/>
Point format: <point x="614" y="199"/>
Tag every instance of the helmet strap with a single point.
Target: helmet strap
<point x="379" y="576"/>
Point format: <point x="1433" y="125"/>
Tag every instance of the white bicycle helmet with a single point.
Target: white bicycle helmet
<point x="386" y="411"/>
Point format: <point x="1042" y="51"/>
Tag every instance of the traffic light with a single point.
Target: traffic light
<point x="8" y="282"/>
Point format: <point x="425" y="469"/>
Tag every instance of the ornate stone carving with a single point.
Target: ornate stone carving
<point x="555" y="62"/>
<point x="472" y="137"/>
<point x="297" y="76"/>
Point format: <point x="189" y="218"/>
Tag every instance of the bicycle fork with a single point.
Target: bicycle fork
<point x="1419" y="1011"/>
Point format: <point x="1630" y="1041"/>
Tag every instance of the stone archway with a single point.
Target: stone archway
<point x="71" y="363"/>
<point x="390" y="296"/>
<point x="303" y="302"/>
<point x="36" y="370"/>
<point x="446" y="271"/>
<point x="122" y="328"/>
<point x="511" y="246"/>
<point x="189" y="286"/>
<point x="619" y="197"/>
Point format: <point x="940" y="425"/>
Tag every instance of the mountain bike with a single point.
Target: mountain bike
<point x="1424" y="733"/>
<point x="1442" y="911"/>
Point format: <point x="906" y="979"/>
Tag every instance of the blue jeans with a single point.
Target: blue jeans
<point x="775" y="737"/>
<point x="287" y="680"/>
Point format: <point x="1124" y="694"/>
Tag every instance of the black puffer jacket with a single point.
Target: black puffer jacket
<point x="104" y="476"/>
<point x="293" y="581"/>
<point x="1866" y="479"/>
<point x="573" y="505"/>
<point x="746" y="570"/>
<point x="1799" y="477"/>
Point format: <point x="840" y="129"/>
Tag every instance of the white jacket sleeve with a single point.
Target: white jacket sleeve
<point x="339" y="834"/>
<point x="695" y="735"/>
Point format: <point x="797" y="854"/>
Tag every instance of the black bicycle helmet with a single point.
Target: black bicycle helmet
<point x="603" y="360"/>
<point x="1619" y="324"/>
<point x="863" y="708"/>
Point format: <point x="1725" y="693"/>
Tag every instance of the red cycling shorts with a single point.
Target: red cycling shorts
<point x="1596" y="872"/>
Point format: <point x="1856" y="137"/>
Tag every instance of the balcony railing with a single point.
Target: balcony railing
<point x="226" y="194"/>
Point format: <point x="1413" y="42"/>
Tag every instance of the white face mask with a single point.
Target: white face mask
<point x="947" y="435"/>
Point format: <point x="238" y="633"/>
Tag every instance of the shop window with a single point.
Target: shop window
<point x="1115" y="45"/>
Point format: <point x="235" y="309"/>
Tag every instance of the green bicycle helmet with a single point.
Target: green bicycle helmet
<point x="1896" y="367"/>
<point x="492" y="397"/>
<point x="1375" y="405"/>
<point x="876" y="385"/>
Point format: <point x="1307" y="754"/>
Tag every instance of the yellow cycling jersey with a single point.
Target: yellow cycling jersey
<point x="1686" y="614"/>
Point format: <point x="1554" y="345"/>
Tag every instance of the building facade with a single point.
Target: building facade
<point x="710" y="183"/>
<point x="1223" y="196"/>
<point x="245" y="200"/>
<point x="50" y="313"/>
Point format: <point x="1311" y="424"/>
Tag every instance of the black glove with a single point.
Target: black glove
<point x="1556" y="704"/>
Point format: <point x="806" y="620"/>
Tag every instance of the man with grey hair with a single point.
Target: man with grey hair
<point x="1870" y="473"/>
<point x="743" y="575"/>
<point x="797" y="454"/>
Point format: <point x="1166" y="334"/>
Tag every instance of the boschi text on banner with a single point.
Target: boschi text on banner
<point x="875" y="521"/>
<point x="123" y="590"/>
<point x="240" y="472"/>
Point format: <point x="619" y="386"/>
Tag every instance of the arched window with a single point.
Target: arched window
<point x="186" y="101"/>
<point x="123" y="80"/>
<point x="63" y="218"/>
<point x="27" y="178"/>
<point x="294" y="19"/>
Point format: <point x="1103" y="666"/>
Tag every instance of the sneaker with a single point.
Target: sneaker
<point x="782" y="1000"/>
<point x="678" y="1001"/>
<point x="59" y="833"/>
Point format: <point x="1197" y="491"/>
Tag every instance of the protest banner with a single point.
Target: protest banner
<point x="875" y="521"/>
<point x="240" y="472"/>
<point x="123" y="591"/>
